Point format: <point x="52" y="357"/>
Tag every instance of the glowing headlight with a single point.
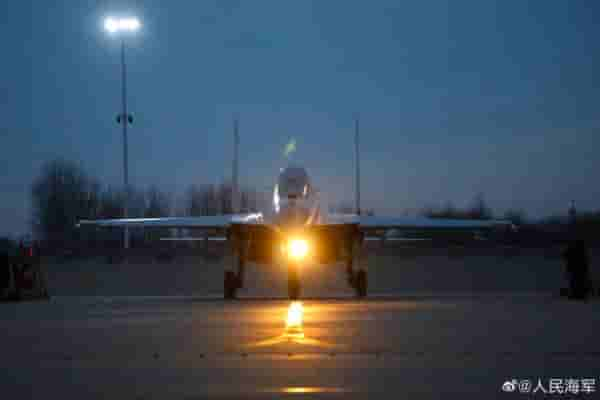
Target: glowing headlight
<point x="297" y="248"/>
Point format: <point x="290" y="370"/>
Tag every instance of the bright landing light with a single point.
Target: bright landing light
<point x="293" y="322"/>
<point x="113" y="25"/>
<point x="298" y="248"/>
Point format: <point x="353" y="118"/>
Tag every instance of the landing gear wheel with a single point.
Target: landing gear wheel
<point x="361" y="283"/>
<point x="350" y="275"/>
<point x="351" y="279"/>
<point x="230" y="285"/>
<point x="239" y="278"/>
<point x="293" y="283"/>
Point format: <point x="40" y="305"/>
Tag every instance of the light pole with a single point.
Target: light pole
<point x="121" y="26"/>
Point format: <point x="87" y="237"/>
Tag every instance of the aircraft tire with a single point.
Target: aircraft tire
<point x="361" y="283"/>
<point x="229" y="285"/>
<point x="239" y="277"/>
<point x="350" y="275"/>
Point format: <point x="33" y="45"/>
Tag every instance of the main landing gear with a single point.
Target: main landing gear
<point x="357" y="280"/>
<point x="360" y="284"/>
<point x="234" y="281"/>
<point x="230" y="285"/>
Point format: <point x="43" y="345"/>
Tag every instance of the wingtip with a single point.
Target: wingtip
<point x="81" y="222"/>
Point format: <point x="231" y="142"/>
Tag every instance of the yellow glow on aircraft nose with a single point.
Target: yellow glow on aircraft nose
<point x="298" y="248"/>
<point x="293" y="322"/>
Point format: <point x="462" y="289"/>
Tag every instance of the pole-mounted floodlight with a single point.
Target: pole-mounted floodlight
<point x="114" y="26"/>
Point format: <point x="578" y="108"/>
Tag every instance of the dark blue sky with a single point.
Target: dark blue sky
<point x="455" y="98"/>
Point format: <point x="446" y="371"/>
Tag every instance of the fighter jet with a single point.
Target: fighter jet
<point x="298" y="231"/>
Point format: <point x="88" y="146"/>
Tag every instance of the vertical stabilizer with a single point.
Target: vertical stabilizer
<point x="357" y="165"/>
<point x="235" y="193"/>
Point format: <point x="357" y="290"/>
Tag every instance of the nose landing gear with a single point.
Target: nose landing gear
<point x="293" y="281"/>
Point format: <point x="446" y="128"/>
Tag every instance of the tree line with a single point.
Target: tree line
<point x="63" y="193"/>
<point x="478" y="210"/>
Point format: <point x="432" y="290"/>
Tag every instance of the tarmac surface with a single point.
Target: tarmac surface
<point x="196" y="347"/>
<point x="438" y="323"/>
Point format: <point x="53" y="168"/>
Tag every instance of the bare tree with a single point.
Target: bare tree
<point x="251" y="200"/>
<point x="200" y="200"/>
<point x="224" y="194"/>
<point x="448" y="211"/>
<point x="61" y="195"/>
<point x="209" y="201"/>
<point x="157" y="203"/>
<point x="515" y="216"/>
<point x="111" y="203"/>
<point x="342" y="208"/>
<point x="244" y="201"/>
<point x="479" y="208"/>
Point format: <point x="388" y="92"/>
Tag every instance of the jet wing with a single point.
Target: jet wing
<point x="203" y="222"/>
<point x="380" y="223"/>
<point x="423" y="223"/>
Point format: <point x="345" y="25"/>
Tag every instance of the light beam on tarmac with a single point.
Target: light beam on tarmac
<point x="293" y="332"/>
<point x="293" y="322"/>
